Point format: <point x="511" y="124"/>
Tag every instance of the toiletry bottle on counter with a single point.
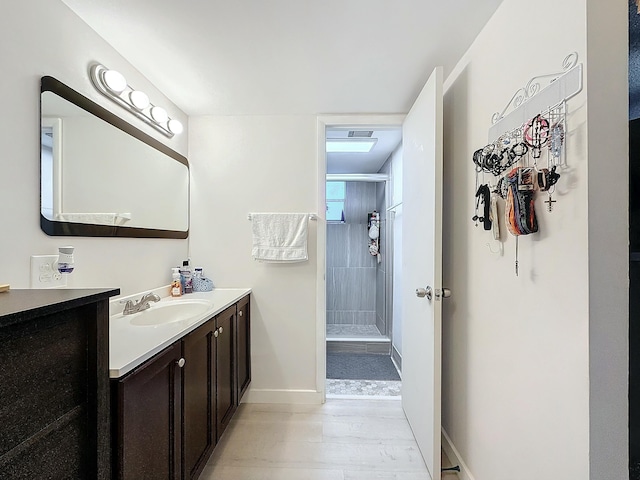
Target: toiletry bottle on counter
<point x="176" y="284"/>
<point x="186" y="277"/>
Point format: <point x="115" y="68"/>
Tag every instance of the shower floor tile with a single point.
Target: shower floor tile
<point x="348" y="331"/>
<point x="383" y="388"/>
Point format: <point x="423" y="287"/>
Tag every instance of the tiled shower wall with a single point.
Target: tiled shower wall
<point x="351" y="270"/>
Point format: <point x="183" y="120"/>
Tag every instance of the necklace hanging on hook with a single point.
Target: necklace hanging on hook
<point x="550" y="203"/>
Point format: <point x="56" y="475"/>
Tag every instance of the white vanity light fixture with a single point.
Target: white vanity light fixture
<point x="113" y="85"/>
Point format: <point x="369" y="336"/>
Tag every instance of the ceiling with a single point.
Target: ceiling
<point x="215" y="57"/>
<point x="387" y="141"/>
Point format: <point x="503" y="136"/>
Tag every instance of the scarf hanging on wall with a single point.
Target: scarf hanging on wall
<point x="520" y="209"/>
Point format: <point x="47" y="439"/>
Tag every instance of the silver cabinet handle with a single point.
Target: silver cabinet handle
<point x="240" y="313"/>
<point x="181" y="362"/>
<point x="221" y="330"/>
<point x="216" y="333"/>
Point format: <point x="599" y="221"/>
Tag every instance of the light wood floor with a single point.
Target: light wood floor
<point x="340" y="440"/>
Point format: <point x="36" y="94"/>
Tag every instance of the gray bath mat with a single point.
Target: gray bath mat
<point x="360" y="366"/>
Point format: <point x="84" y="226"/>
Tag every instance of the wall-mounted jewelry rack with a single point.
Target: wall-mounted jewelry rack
<point x="525" y="154"/>
<point x="532" y="99"/>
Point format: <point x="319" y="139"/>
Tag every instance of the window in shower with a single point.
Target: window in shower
<point x="336" y="192"/>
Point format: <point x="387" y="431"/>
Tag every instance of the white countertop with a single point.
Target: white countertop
<point x="130" y="345"/>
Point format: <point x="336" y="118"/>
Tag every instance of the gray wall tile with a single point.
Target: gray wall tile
<point x="380" y="300"/>
<point x="330" y="290"/>
<point x="343" y="317"/>
<point x="360" y="200"/>
<point x="364" y="318"/>
<point x="355" y="288"/>
<point x="359" y="255"/>
<point x="337" y="245"/>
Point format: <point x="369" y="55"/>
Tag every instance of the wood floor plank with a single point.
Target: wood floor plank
<point x="373" y="475"/>
<point x="216" y="472"/>
<point x="340" y="440"/>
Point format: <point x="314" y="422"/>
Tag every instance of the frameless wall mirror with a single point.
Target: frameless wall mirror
<point x="102" y="177"/>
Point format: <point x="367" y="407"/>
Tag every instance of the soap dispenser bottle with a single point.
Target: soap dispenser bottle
<point x="176" y="285"/>
<point x="187" y="277"/>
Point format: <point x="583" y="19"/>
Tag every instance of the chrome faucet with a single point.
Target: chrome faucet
<point x="142" y="304"/>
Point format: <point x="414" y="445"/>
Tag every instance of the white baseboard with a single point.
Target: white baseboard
<point x="455" y="457"/>
<point x="296" y="397"/>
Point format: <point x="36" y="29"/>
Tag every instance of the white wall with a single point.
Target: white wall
<point x="43" y="37"/>
<point x="516" y="366"/>
<point x="245" y="164"/>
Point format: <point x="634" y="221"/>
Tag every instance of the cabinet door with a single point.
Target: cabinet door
<point x="148" y="421"/>
<point x="198" y="382"/>
<point x="225" y="369"/>
<point x="243" y="343"/>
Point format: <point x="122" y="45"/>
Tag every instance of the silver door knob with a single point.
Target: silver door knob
<point x="216" y="333"/>
<point x="181" y="362"/>
<point x="240" y="313"/>
<point x="424" y="292"/>
<point x="221" y="330"/>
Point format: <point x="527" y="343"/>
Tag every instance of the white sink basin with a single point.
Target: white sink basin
<point x="174" y="311"/>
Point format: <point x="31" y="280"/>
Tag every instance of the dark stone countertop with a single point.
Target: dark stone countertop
<point x="22" y="305"/>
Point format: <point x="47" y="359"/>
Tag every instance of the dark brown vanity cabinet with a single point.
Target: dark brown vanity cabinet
<point x="243" y="345"/>
<point x="54" y="392"/>
<point x="198" y="349"/>
<point x="148" y="405"/>
<point x="174" y="408"/>
<point x="225" y="369"/>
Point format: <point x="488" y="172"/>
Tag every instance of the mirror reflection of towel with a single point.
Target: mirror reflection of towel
<point x="96" y="218"/>
<point x="280" y="237"/>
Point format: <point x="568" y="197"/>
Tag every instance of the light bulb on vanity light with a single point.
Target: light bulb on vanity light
<point x="114" y="81"/>
<point x="139" y="99"/>
<point x="175" y="126"/>
<point x="159" y="114"/>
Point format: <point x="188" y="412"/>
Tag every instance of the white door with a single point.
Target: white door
<point x="422" y="269"/>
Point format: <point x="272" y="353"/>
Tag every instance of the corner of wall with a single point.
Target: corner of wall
<point x="608" y="142"/>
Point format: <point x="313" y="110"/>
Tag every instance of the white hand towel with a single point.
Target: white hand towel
<point x="280" y="237"/>
<point x="92" y="218"/>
